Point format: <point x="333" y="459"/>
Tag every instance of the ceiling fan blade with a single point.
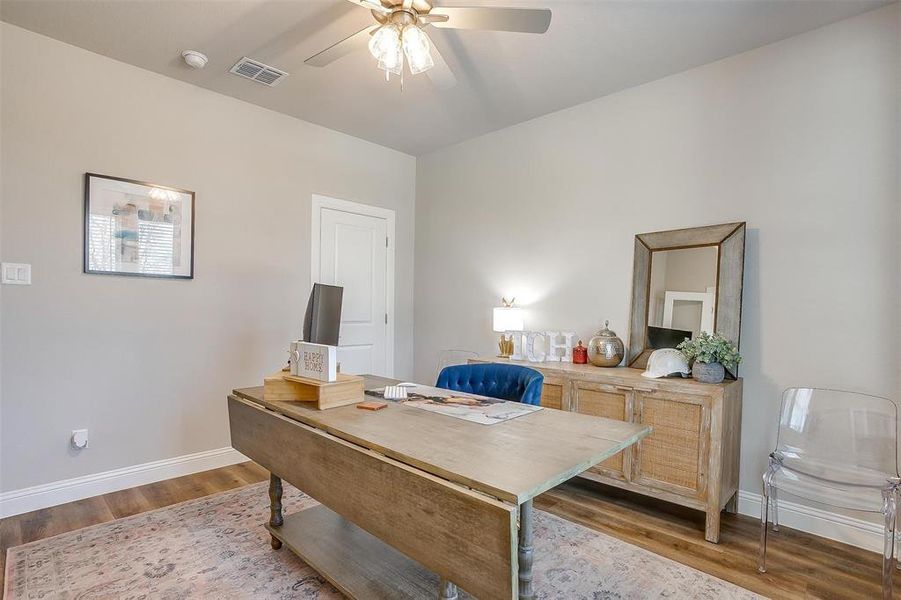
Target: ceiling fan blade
<point x="432" y="18"/>
<point x="372" y="5"/>
<point x="441" y="75"/>
<point x="349" y="44"/>
<point x="525" y="20"/>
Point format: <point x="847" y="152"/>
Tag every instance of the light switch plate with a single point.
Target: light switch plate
<point x="15" y="273"/>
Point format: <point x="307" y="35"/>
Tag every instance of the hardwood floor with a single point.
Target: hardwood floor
<point x="800" y="565"/>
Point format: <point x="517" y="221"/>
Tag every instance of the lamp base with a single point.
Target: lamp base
<point x="505" y="346"/>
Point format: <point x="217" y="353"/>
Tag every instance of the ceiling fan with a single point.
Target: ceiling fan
<point x="399" y="34"/>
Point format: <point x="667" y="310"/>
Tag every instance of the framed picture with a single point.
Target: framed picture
<point x="138" y="229"/>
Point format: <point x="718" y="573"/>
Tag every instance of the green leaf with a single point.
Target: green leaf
<point x="708" y="348"/>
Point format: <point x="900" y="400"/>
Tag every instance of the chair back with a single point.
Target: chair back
<point x="506" y="382"/>
<point x="824" y="430"/>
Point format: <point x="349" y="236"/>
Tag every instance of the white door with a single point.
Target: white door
<point x="353" y="253"/>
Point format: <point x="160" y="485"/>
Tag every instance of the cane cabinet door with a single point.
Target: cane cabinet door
<point x="674" y="456"/>
<point x="612" y="402"/>
<point x="554" y="393"/>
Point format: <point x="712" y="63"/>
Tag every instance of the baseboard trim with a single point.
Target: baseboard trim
<point x="68" y="490"/>
<point x="856" y="532"/>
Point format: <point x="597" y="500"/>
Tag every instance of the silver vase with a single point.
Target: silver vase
<point x="606" y="349"/>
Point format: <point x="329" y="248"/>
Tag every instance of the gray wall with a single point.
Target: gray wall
<point x="146" y="364"/>
<point x="799" y="139"/>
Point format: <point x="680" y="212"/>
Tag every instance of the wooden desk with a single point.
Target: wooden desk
<point x="403" y="483"/>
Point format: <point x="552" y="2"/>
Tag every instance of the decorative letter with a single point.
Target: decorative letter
<point x="552" y="346"/>
<point x="568" y="337"/>
<point x="517" y="337"/>
<point x="530" y="347"/>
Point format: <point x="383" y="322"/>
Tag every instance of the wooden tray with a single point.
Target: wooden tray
<point x="284" y="387"/>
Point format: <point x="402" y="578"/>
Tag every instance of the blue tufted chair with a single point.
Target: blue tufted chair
<point x="507" y="382"/>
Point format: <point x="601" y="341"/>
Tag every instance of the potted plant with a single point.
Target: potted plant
<point x="712" y="354"/>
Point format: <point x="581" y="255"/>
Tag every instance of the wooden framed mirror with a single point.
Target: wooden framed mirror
<point x="685" y="281"/>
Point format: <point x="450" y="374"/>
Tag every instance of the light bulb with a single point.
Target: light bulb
<point x="392" y="61"/>
<point x="385" y="46"/>
<point x="380" y="41"/>
<point x="416" y="47"/>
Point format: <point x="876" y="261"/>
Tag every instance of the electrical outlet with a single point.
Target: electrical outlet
<point x="79" y="439"/>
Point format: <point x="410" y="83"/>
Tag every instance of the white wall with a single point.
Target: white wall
<point x="799" y="138"/>
<point x="146" y="364"/>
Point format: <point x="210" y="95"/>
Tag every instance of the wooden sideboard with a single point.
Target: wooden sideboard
<point x="692" y="455"/>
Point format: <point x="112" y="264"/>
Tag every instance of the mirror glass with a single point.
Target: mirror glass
<point x="682" y="295"/>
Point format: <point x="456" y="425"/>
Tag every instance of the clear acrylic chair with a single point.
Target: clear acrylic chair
<point x="840" y="449"/>
<point x="449" y="358"/>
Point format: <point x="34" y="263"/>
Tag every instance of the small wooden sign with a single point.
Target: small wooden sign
<point x="314" y="361"/>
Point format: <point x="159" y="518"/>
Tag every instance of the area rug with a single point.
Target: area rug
<point x="216" y="547"/>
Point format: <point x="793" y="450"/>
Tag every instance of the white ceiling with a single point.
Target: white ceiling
<point x="593" y="48"/>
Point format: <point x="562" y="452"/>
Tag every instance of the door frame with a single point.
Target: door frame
<point x="320" y="202"/>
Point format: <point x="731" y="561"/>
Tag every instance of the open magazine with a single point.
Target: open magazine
<point x="469" y="407"/>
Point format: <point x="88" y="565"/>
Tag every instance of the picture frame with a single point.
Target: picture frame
<point x="136" y="228"/>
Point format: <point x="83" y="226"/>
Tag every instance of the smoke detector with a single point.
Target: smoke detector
<point x="194" y="59"/>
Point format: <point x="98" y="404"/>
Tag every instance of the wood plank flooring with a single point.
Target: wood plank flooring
<point x="800" y="565"/>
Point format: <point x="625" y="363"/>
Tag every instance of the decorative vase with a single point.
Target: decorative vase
<point x="708" y="372"/>
<point x="605" y="349"/>
<point x="580" y="354"/>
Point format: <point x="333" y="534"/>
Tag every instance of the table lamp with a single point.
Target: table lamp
<point x="507" y="318"/>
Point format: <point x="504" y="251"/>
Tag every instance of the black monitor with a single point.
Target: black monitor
<point x="323" y="318"/>
<point x="664" y="337"/>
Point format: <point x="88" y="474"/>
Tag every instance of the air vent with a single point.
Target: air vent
<point x="257" y="71"/>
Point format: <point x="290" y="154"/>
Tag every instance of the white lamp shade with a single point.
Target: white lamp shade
<point x="507" y="318"/>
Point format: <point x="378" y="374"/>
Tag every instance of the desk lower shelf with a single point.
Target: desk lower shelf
<point x="357" y="563"/>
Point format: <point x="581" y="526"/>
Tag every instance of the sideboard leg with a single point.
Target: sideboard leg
<point x="447" y="590"/>
<point x="732" y="504"/>
<point x="275" y="507"/>
<point x="525" y="551"/>
<point x="712" y="526"/>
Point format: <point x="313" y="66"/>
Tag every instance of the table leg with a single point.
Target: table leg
<point x="447" y="590"/>
<point x="275" y="507"/>
<point x="525" y="551"/>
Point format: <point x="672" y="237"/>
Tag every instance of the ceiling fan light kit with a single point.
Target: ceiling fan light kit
<point x="385" y="46"/>
<point x="400" y="34"/>
<point x="401" y="37"/>
<point x="416" y="49"/>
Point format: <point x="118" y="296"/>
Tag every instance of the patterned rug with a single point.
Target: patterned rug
<point x="216" y="547"/>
